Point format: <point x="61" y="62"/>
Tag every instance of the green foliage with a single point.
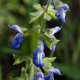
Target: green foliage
<point x="20" y="59"/>
<point x="24" y="74"/>
<point x="47" y="17"/>
<point x="11" y="78"/>
<point x="47" y="59"/>
<point x="50" y="41"/>
<point x="36" y="15"/>
<point x="47" y="62"/>
<point x="37" y="7"/>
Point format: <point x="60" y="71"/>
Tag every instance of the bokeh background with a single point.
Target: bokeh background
<point x="67" y="50"/>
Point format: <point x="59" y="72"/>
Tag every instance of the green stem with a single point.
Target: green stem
<point x="51" y="54"/>
<point x="43" y="20"/>
<point x="31" y="75"/>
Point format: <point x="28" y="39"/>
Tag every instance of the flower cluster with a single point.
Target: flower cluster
<point x="50" y="76"/>
<point x="60" y="14"/>
<point x="46" y="38"/>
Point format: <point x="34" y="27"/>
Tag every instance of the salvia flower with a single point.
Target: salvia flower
<point x="37" y="57"/>
<point x="60" y="14"/>
<point x="39" y="76"/>
<point x="55" y="30"/>
<point x="51" y="73"/>
<point x="18" y="38"/>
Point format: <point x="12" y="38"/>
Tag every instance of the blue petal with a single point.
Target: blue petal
<point x="38" y="62"/>
<point x="15" y="44"/>
<point x="39" y="76"/>
<point x="64" y="6"/>
<point x="17" y="28"/>
<point x="37" y="57"/>
<point x="45" y="44"/>
<point x="17" y="40"/>
<point x="53" y="48"/>
<point x="34" y="78"/>
<point x="51" y="3"/>
<point x="60" y="14"/>
<point x="43" y="55"/>
<point x="48" y="78"/>
<point x="55" y="30"/>
<point x="54" y="71"/>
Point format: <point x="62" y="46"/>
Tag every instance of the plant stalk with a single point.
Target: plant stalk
<point x="43" y="20"/>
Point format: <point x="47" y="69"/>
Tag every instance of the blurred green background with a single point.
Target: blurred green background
<point x="67" y="50"/>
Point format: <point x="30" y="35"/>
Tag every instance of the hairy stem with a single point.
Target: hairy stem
<point x="43" y="20"/>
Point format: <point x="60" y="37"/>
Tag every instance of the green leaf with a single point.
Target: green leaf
<point x="28" y="64"/>
<point x="36" y="15"/>
<point x="40" y="40"/>
<point x="49" y="41"/>
<point x="47" y="17"/>
<point x="52" y="14"/>
<point x="20" y="59"/>
<point x="11" y="78"/>
<point x="68" y="70"/>
<point x="47" y="65"/>
<point x="24" y="74"/>
<point x="29" y="32"/>
<point x="37" y="28"/>
<point x="47" y="62"/>
<point x="37" y="6"/>
<point x="51" y="59"/>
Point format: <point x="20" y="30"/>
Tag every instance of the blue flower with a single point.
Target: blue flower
<point x="51" y="73"/>
<point x="18" y="38"/>
<point x="37" y="57"/>
<point x="60" y="14"/>
<point x="55" y="30"/>
<point x="51" y="3"/>
<point x="39" y="76"/>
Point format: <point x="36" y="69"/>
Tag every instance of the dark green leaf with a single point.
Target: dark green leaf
<point x="11" y="78"/>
